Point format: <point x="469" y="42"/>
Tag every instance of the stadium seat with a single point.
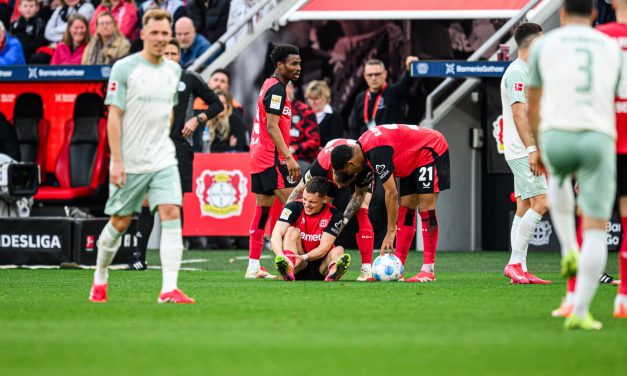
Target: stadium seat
<point x="81" y="167"/>
<point x="31" y="129"/>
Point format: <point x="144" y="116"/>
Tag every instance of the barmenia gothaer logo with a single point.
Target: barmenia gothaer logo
<point x="221" y="193"/>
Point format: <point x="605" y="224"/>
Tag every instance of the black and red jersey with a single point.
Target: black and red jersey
<point x="321" y="166"/>
<point x="400" y="148"/>
<point x="311" y="227"/>
<point x="272" y="100"/>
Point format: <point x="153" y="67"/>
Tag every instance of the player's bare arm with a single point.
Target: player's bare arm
<point x="519" y="113"/>
<point x="278" y="233"/>
<point x="297" y="192"/>
<point x="353" y="205"/>
<point x="326" y="243"/>
<point x="277" y="138"/>
<point x="533" y="117"/>
<point x="391" y="205"/>
<point x="117" y="175"/>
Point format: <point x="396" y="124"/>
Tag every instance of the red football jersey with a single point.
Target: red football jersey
<point x="400" y="148"/>
<point x="272" y="100"/>
<point x="321" y="166"/>
<point x="619" y="32"/>
<point x="311" y="227"/>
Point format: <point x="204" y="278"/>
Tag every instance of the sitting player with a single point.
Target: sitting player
<point x="358" y="205"/>
<point x="303" y="237"/>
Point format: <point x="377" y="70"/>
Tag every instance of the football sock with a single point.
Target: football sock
<point x="171" y="252"/>
<point x="257" y="227"/>
<point x="512" y="237"/>
<point x="429" y="236"/>
<point x="365" y="236"/>
<point x="579" y="231"/>
<point x="108" y="245"/>
<point x="145" y="223"/>
<point x="406" y="230"/>
<point x="591" y="264"/>
<point x="570" y="290"/>
<point x="526" y="227"/>
<point x="562" y="199"/>
<point x="290" y="255"/>
<point x="622" y="259"/>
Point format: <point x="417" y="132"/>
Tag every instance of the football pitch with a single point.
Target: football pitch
<point x="471" y="321"/>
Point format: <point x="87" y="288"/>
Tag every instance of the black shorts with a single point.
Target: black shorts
<point x="430" y="178"/>
<point x="265" y="182"/>
<point x="185" y="158"/>
<point x="621" y="174"/>
<point x="311" y="272"/>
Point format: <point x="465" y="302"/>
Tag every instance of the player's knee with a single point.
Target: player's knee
<point x="540" y="205"/>
<point x="169" y="212"/>
<point x="293" y="233"/>
<point x="121" y="223"/>
<point x="427" y="202"/>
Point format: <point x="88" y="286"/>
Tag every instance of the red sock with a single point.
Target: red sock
<point x="622" y="259"/>
<point x="429" y="235"/>
<point x="290" y="255"/>
<point x="406" y="230"/>
<point x="256" y="231"/>
<point x="570" y="284"/>
<point x="579" y="231"/>
<point x="365" y="236"/>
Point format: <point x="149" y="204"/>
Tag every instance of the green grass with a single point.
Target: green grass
<point x="469" y="322"/>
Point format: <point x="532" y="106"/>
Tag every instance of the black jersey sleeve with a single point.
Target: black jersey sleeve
<point x="291" y="212"/>
<point x="315" y="170"/>
<point x="274" y="100"/>
<point x="381" y="159"/>
<point x="364" y="178"/>
<point x="202" y="91"/>
<point x="335" y="223"/>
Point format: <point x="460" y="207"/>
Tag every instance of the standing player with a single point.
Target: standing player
<point x="274" y="169"/>
<point x="574" y="74"/>
<point x="358" y="205"/>
<point x="618" y="30"/>
<point x="142" y="91"/>
<point x="521" y="155"/>
<point x="417" y="155"/>
<point x="303" y="237"/>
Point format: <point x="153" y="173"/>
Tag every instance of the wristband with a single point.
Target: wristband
<point x="532" y="149"/>
<point x="199" y="119"/>
<point x="305" y="257"/>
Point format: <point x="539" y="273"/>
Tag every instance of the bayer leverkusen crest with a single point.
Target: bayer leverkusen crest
<point x="221" y="193"/>
<point x="497" y="132"/>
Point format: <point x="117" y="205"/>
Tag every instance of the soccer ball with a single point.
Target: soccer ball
<point x="387" y="268"/>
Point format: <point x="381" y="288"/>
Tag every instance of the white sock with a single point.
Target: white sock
<point x="562" y="199"/>
<point x="620" y="299"/>
<point x="253" y="265"/>
<point x="570" y="298"/>
<point x="108" y="244"/>
<point x="171" y="252"/>
<point x="526" y="227"/>
<point x="429" y="268"/>
<point x="512" y="235"/>
<point x="366" y="267"/>
<point x="591" y="264"/>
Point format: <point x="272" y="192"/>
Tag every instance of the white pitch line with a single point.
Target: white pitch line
<point x="157" y="267"/>
<point x="193" y="261"/>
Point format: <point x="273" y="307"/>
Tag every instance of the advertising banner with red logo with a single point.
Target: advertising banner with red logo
<point x="220" y="203"/>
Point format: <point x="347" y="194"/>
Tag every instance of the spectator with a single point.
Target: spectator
<point x="304" y="135"/>
<point x="108" y="45"/>
<point x="380" y="103"/>
<point x="10" y="49"/>
<point x="75" y="39"/>
<point x="225" y="133"/>
<point x="125" y="14"/>
<point x="175" y="7"/>
<point x="220" y="79"/>
<point x="330" y="123"/>
<point x="209" y="17"/>
<point x="192" y="44"/>
<point x="29" y="28"/>
<point x="57" y="24"/>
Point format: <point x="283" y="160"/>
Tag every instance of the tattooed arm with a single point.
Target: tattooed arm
<point x="354" y="204"/>
<point x="297" y="192"/>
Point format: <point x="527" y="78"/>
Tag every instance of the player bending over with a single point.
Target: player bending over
<point x="303" y="237"/>
<point x="419" y="156"/>
<point x="358" y="205"/>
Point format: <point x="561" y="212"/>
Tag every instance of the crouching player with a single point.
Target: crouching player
<point x="303" y="237"/>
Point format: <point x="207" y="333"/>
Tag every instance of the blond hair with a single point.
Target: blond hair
<point x="318" y="88"/>
<point x="156" y="14"/>
<point x="220" y="126"/>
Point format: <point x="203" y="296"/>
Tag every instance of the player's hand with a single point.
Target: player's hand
<point x="117" y="175"/>
<point x="388" y="242"/>
<point x="293" y="169"/>
<point x="189" y="127"/>
<point x="409" y="60"/>
<point x="233" y="141"/>
<point x="535" y="163"/>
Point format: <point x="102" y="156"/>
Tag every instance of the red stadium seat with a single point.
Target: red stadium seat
<point x="31" y="129"/>
<point x="82" y="164"/>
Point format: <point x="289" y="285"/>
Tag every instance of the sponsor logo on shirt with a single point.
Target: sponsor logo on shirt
<point x="275" y="102"/>
<point x="287" y="111"/>
<point x="382" y="171"/>
<point x="519" y="86"/>
<point x="310" y="237"/>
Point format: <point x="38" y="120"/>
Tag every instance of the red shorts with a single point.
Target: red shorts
<point x="432" y="175"/>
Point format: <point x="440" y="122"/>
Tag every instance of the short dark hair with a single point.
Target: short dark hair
<point x="175" y="43"/>
<point x="340" y="156"/>
<point x="318" y="185"/>
<point x="375" y="62"/>
<point x="579" y="7"/>
<point x="342" y="178"/>
<point x="223" y="71"/>
<point x="280" y="53"/>
<point x="524" y="33"/>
